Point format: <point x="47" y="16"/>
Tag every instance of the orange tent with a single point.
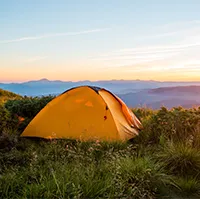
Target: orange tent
<point x="85" y="113"/>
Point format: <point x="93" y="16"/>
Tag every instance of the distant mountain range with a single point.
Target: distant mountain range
<point x="134" y="92"/>
<point x="185" y="96"/>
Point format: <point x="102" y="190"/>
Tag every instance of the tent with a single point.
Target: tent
<point x="85" y="113"/>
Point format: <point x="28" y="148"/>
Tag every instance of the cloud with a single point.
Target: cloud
<point x="179" y="30"/>
<point x="176" y="46"/>
<point x="183" y="45"/>
<point x="34" y="59"/>
<point x="179" y="64"/>
<point x="52" y="35"/>
<point x="180" y="58"/>
<point x="137" y="59"/>
<point x="146" y="54"/>
<point x="180" y="41"/>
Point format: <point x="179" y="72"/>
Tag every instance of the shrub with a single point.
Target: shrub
<point x="4" y="118"/>
<point x="27" y="108"/>
<point x="177" y="124"/>
<point x="143" y="113"/>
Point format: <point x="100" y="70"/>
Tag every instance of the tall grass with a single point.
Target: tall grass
<point x="180" y="159"/>
<point x="188" y="187"/>
<point x="162" y="162"/>
<point x="65" y="169"/>
<point x="142" y="177"/>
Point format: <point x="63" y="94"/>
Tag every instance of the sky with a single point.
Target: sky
<point x="74" y="40"/>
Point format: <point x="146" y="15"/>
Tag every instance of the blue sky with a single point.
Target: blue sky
<point x="78" y="40"/>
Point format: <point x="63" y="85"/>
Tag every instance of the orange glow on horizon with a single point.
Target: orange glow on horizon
<point x="78" y="73"/>
<point x="93" y="77"/>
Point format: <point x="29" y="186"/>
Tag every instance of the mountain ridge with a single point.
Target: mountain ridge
<point x="133" y="92"/>
<point x="109" y="80"/>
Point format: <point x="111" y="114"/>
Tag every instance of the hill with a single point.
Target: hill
<point x="5" y="95"/>
<point x="177" y="89"/>
<point x="185" y="96"/>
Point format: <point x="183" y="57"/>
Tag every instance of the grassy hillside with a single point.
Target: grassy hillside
<point x="162" y="162"/>
<point x="6" y="95"/>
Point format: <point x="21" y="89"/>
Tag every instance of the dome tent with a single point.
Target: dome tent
<point x="85" y="113"/>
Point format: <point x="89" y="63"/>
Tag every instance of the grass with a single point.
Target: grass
<point x="180" y="159"/>
<point x="162" y="162"/>
<point x="188" y="187"/>
<point x="74" y="169"/>
<point x="142" y="177"/>
<point x="65" y="169"/>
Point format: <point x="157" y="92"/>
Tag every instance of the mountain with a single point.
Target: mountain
<point x="133" y="92"/>
<point x="185" y="96"/>
<point x="46" y="87"/>
<point x="177" y="89"/>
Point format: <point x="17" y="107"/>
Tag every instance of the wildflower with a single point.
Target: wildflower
<point x="90" y="149"/>
<point x="97" y="143"/>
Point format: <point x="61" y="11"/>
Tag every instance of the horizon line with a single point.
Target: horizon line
<point x="86" y="80"/>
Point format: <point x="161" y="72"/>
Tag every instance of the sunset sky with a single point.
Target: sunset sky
<point x="99" y="40"/>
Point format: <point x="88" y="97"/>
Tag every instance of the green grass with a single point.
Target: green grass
<point x="162" y="162"/>
<point x="188" y="187"/>
<point x="180" y="159"/>
<point x="74" y="169"/>
<point x="65" y="169"/>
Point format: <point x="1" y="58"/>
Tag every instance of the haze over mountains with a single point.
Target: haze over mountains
<point x="134" y="92"/>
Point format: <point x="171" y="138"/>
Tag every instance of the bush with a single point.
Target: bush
<point x="27" y="108"/>
<point x="177" y="124"/>
<point x="143" y="113"/>
<point x="4" y="118"/>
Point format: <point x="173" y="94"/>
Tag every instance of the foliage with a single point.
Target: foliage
<point x="143" y="113"/>
<point x="4" y="118"/>
<point x="26" y="108"/>
<point x="180" y="159"/>
<point x="141" y="177"/>
<point x="69" y="168"/>
<point x="188" y="187"/>
<point x="162" y="162"/>
<point x="177" y="124"/>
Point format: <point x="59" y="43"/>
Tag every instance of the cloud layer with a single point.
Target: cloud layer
<point x="52" y="35"/>
<point x="180" y="54"/>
